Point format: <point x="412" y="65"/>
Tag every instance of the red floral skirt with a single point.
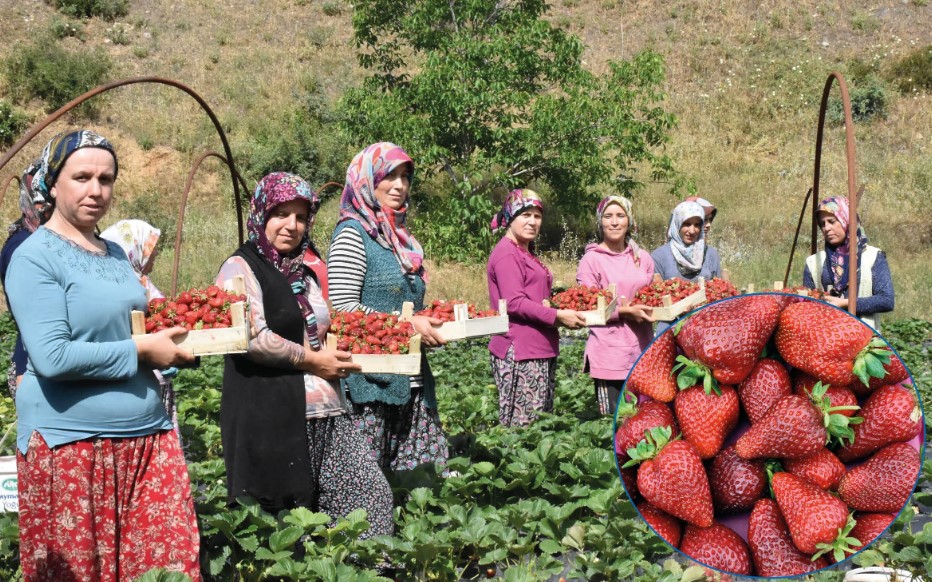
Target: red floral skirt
<point x="106" y="509"/>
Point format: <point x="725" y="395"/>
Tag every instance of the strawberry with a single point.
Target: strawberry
<point x="837" y="395"/>
<point x="629" y="478"/>
<point x="822" y="468"/>
<point x="830" y="344"/>
<point x="706" y="417"/>
<point x="735" y="483"/>
<point x="718" y="547"/>
<point x="895" y="373"/>
<point x="771" y="546"/>
<point x="818" y="521"/>
<point x="884" y="483"/>
<point x="867" y="527"/>
<point x="653" y="374"/>
<point x="672" y="478"/>
<point x="664" y="525"/>
<point x="635" y="419"/>
<point x="891" y="415"/>
<point x="768" y="382"/>
<point x="794" y="427"/>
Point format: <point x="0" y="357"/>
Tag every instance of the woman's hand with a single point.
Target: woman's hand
<point x="570" y="318"/>
<point x="329" y="364"/>
<point x="159" y="351"/>
<point x="425" y="326"/>
<point x="840" y="302"/>
<point x="636" y="313"/>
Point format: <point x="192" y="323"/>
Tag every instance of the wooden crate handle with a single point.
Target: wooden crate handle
<point x="667" y="300"/>
<point x="407" y="311"/>
<point x="414" y="345"/>
<point x="460" y="312"/>
<point x="502" y="306"/>
<point x="138" y="322"/>
<point x="778" y="285"/>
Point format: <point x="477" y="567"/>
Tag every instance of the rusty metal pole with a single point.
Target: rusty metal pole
<point x="6" y="186"/>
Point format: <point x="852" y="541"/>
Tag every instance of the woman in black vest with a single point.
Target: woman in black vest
<point x="287" y="438"/>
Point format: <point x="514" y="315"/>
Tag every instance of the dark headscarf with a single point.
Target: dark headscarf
<point x="57" y="152"/>
<point x="273" y="190"/>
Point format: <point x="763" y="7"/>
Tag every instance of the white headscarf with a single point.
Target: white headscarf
<point x="688" y="257"/>
<point x="137" y="238"/>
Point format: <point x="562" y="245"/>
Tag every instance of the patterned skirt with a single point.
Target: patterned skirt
<point x="607" y="393"/>
<point x="106" y="509"/>
<point x="525" y="387"/>
<point x="402" y="437"/>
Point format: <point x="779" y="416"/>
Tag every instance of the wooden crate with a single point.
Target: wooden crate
<point x="463" y="327"/>
<point x="603" y="311"/>
<point x="404" y="364"/>
<point x="211" y="342"/>
<point x="671" y="311"/>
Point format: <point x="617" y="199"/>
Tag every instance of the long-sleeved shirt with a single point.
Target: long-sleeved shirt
<point x="881" y="299"/>
<point x="520" y="278"/>
<point x="665" y="264"/>
<point x="83" y="379"/>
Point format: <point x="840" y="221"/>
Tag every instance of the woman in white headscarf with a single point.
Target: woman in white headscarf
<point x="685" y="254"/>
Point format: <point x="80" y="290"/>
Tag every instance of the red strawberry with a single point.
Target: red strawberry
<point x="730" y="335"/>
<point x="867" y="527"/>
<point x="665" y="525"/>
<point x="636" y="419"/>
<point x="822" y="468"/>
<point x="707" y="418"/>
<point x="837" y="395"/>
<point x="653" y="374"/>
<point x="672" y="478"/>
<point x="771" y="546"/>
<point x="736" y="483"/>
<point x="895" y="373"/>
<point x="768" y="382"/>
<point x="829" y="344"/>
<point x="891" y="415"/>
<point x="717" y="547"/>
<point x="814" y="516"/>
<point x="629" y="478"/>
<point x="884" y="483"/>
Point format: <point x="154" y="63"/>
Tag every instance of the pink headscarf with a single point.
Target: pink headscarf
<point x="838" y="207"/>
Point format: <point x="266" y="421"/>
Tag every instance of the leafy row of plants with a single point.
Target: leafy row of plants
<point x="539" y="503"/>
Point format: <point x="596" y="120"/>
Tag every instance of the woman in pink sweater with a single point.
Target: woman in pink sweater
<point x="524" y="359"/>
<point x="613" y="349"/>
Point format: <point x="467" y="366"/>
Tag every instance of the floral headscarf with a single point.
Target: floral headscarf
<point x="57" y="152"/>
<point x="688" y="257"/>
<point x="35" y="209"/>
<point x="137" y="238"/>
<point x="387" y="227"/>
<point x="273" y="190"/>
<point x="838" y="207"/>
<point x="515" y="203"/>
<point x="632" y="224"/>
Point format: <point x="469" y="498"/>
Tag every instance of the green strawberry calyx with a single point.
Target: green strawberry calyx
<point x="837" y="426"/>
<point x="692" y="373"/>
<point x="627" y="406"/>
<point x="870" y="361"/>
<point x="650" y="446"/>
<point x="771" y="468"/>
<point x="843" y="544"/>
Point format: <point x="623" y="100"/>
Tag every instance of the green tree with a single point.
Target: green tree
<point x="489" y="94"/>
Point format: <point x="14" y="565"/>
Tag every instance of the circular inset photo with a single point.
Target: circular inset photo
<point x="770" y="435"/>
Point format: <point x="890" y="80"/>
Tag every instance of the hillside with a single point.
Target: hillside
<point x="744" y="79"/>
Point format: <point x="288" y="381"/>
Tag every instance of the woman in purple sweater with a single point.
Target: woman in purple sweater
<point x="524" y="359"/>
<point x="616" y="258"/>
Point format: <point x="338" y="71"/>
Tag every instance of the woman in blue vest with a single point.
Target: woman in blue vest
<point x="375" y="264"/>
<point x="875" y="285"/>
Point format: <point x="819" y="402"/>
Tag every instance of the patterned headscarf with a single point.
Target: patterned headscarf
<point x="57" y="152"/>
<point x="515" y="203"/>
<point x="273" y="190"/>
<point x="838" y="207"/>
<point x="387" y="227"/>
<point x="688" y="257"/>
<point x="632" y="223"/>
<point x="35" y="209"/>
<point x="710" y="210"/>
<point x="137" y="238"/>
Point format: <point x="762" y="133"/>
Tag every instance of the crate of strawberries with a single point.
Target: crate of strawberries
<point x="215" y="318"/>
<point x="670" y="298"/>
<point x="380" y="342"/>
<point x="596" y="305"/>
<point x="462" y="320"/>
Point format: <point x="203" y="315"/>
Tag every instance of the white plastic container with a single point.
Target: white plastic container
<point x="880" y="574"/>
<point x="9" y="494"/>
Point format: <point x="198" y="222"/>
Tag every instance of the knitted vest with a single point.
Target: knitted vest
<point x="384" y="289"/>
<point x="816" y="263"/>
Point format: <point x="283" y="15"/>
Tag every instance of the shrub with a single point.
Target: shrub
<point x="913" y="72"/>
<point x="65" y="27"/>
<point x="12" y="124"/>
<point x="106" y="9"/>
<point x="44" y="70"/>
<point x="868" y="100"/>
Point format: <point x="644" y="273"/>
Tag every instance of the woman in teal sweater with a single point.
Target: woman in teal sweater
<point x="375" y="264"/>
<point x="104" y="490"/>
